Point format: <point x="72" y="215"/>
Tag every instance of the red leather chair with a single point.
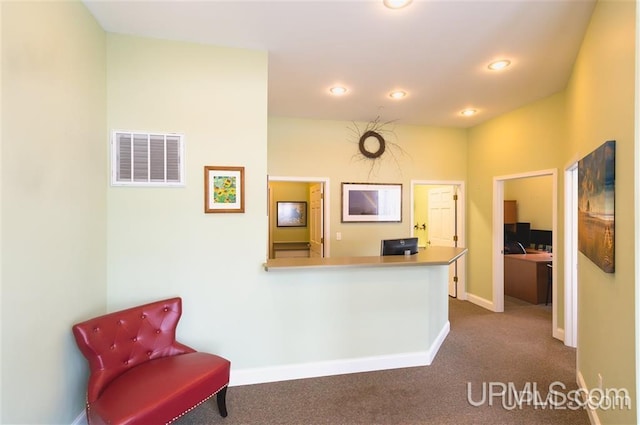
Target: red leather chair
<point x="140" y="374"/>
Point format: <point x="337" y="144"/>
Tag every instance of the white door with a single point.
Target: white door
<point x="441" y="226"/>
<point x="316" y="220"/>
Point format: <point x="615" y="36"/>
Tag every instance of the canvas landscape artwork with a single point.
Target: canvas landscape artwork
<point x="596" y="206"/>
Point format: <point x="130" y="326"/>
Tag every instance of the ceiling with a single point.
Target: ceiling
<point x="437" y="51"/>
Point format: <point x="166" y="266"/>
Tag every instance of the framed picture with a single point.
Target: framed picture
<point x="371" y="202"/>
<point x="292" y="214"/>
<point x="223" y="189"/>
<point x="596" y="206"/>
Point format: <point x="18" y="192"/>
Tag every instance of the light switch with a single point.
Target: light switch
<point x="338" y="236"/>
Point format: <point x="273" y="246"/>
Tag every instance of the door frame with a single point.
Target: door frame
<point x="571" y="255"/>
<point x="461" y="216"/>
<point x="326" y="231"/>
<point x="498" y="242"/>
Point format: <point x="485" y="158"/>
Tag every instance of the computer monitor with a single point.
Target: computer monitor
<point x="399" y="246"/>
<point x="542" y="238"/>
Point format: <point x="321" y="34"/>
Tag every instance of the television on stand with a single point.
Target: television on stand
<point x="406" y="246"/>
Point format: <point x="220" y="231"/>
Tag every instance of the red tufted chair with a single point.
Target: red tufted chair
<point x="139" y="373"/>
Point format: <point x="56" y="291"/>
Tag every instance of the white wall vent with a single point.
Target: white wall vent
<point x="147" y="159"/>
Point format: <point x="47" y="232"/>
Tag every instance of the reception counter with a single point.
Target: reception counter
<point x="351" y="314"/>
<point x="432" y="256"/>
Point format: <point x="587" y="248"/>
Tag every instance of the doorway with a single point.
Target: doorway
<point x="499" y="237"/>
<point x="314" y="192"/>
<point x="437" y="217"/>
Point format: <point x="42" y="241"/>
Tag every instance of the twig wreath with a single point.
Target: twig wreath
<point x="363" y="147"/>
<point x="373" y="142"/>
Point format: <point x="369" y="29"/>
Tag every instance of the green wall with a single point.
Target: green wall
<point x="54" y="177"/>
<point x="100" y="247"/>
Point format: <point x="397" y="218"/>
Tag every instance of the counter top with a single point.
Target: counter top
<point x="432" y="256"/>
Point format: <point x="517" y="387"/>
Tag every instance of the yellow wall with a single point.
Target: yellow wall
<point x="521" y="141"/>
<point x="54" y="177"/>
<point x="329" y="149"/>
<point x="288" y="192"/>
<point x="534" y="199"/>
<point x="600" y="105"/>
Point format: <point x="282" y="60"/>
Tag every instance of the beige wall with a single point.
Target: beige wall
<point x="600" y="99"/>
<point x="54" y="180"/>
<point x="329" y="149"/>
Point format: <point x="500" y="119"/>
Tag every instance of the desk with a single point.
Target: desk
<point x="526" y="276"/>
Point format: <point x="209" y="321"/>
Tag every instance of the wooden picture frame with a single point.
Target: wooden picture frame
<point x="291" y="213"/>
<point x="223" y="189"/>
<point x="371" y="202"/>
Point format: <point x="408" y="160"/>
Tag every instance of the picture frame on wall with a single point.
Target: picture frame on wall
<point x="371" y="202"/>
<point x="291" y="213"/>
<point x="223" y="189"/>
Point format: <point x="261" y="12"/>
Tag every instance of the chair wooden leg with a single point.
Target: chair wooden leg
<point x="222" y="402"/>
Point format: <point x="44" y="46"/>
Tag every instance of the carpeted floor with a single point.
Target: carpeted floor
<point x="483" y="350"/>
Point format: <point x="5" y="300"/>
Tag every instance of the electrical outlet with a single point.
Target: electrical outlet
<point x="338" y="236"/>
<point x="599" y="380"/>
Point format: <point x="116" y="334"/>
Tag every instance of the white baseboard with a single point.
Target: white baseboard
<point x="338" y="367"/>
<point x="593" y="415"/>
<point x="482" y="302"/>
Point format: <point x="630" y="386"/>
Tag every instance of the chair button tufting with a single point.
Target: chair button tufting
<point x="96" y="329"/>
<point x="144" y="316"/>
<point x="134" y="339"/>
<point x="166" y="309"/>
<point x="157" y="331"/>
<point x="113" y="347"/>
<point x="126" y="362"/>
<point x="149" y="353"/>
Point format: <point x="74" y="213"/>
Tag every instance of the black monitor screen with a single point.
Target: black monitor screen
<point x="541" y="237"/>
<point x="399" y="246"/>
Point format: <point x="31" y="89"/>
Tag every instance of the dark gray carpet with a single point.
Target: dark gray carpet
<point x="515" y="346"/>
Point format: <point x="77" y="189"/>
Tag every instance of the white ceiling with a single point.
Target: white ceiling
<point x="437" y="51"/>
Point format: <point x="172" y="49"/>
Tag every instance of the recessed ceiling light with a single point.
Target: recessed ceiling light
<point x="498" y="65"/>
<point x="397" y="94"/>
<point x="338" y="91"/>
<point x="396" y="4"/>
<point x="468" y="112"/>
